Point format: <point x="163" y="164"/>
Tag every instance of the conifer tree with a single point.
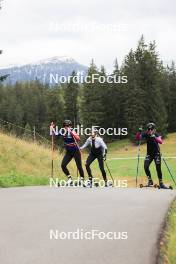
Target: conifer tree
<point x="91" y="103"/>
<point x="144" y="100"/>
<point x="71" y="99"/>
<point x="172" y="99"/>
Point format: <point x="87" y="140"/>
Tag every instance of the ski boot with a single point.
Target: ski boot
<point x="163" y="186"/>
<point x="108" y="184"/>
<point x="69" y="182"/>
<point x="150" y="183"/>
<point x="89" y="183"/>
<point x="82" y="183"/>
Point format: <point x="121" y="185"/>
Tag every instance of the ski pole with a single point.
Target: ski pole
<point x="52" y="151"/>
<point x="137" y="172"/>
<point x="52" y="159"/>
<point x="172" y="177"/>
<point x="109" y="172"/>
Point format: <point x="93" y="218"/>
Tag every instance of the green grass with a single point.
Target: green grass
<point x="16" y="180"/>
<point x="168" y="242"/>
<point x="25" y="163"/>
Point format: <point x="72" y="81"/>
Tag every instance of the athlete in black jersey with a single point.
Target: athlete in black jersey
<point x="153" y="152"/>
<point x="71" y="140"/>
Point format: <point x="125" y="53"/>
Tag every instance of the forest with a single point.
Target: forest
<point x="148" y="96"/>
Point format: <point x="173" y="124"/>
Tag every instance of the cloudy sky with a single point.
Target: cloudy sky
<point x="31" y="30"/>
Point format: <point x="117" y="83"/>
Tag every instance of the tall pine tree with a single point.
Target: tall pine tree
<point x="71" y="91"/>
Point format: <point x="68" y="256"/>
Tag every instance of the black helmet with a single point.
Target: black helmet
<point x="67" y="123"/>
<point x="151" y="126"/>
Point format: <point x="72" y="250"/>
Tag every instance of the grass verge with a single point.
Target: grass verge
<point x="16" y="180"/>
<point x="167" y="252"/>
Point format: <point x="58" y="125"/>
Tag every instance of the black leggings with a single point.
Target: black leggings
<point x="69" y="155"/>
<point x="90" y="159"/>
<point x="147" y="162"/>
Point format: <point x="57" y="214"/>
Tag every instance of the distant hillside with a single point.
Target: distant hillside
<point x="41" y="70"/>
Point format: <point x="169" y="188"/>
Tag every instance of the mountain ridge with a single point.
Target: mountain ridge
<point x="41" y="70"/>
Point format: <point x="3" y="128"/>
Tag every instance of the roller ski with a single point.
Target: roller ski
<point x="79" y="183"/>
<point x="160" y="186"/>
<point x="150" y="184"/>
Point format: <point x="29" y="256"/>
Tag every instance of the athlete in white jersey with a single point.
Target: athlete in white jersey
<point x="98" y="151"/>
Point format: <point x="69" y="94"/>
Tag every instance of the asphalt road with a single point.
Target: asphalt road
<point x="27" y="215"/>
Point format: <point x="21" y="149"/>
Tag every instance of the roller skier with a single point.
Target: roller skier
<point x="153" y="153"/>
<point x="71" y="140"/>
<point x="98" y="151"/>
